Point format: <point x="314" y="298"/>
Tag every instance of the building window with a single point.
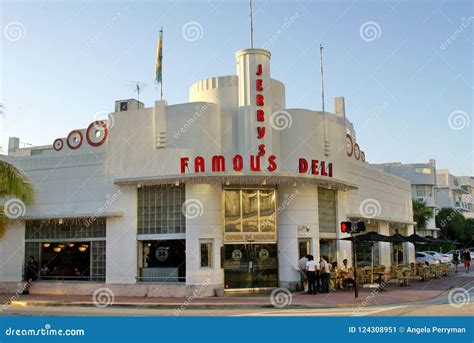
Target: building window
<point x="304" y="247"/>
<point x="327" y="247"/>
<point x="249" y="215"/>
<point x="423" y="170"/>
<point x="423" y="191"/>
<point x="67" y="229"/>
<point x="327" y="210"/>
<point x="160" y="209"/>
<point x="206" y="254"/>
<point x="69" y="250"/>
<point x="162" y="260"/>
<point x="365" y="251"/>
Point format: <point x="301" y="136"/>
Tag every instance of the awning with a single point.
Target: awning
<point x="381" y="219"/>
<point x="239" y="178"/>
<point x="71" y="215"/>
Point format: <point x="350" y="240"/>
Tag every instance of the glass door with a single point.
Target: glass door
<point x="250" y="265"/>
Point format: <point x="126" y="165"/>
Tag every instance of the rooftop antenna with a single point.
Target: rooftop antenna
<point x="322" y="77"/>
<point x="138" y="86"/>
<point x="251" y="24"/>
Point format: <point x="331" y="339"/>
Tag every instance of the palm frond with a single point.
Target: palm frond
<point x="14" y="183"/>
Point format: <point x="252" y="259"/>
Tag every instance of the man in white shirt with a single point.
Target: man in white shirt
<point x="311" y="268"/>
<point x="324" y="274"/>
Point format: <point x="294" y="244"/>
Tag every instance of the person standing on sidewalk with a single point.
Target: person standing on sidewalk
<point x="466" y="256"/>
<point x="311" y="268"/>
<point x="325" y="274"/>
<point x="31" y="274"/>
<point x="456" y="260"/>
<point x="302" y="268"/>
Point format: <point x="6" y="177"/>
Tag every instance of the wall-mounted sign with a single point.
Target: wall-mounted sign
<point x="236" y="255"/>
<point x="263" y="254"/>
<point x="304" y="231"/>
<point x="161" y="254"/>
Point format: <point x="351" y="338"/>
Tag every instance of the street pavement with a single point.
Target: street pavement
<point x="443" y="297"/>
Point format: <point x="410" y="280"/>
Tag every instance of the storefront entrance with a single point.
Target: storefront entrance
<point x="250" y="265"/>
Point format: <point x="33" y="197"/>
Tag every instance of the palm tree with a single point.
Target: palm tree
<point x="12" y="184"/>
<point x="421" y="214"/>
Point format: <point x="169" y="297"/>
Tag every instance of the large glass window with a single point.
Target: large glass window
<point x="160" y="209"/>
<point x="249" y="215"/>
<point x="250" y="265"/>
<point x="327" y="247"/>
<point x="304" y="247"/>
<point x="205" y="248"/>
<point x="162" y="261"/>
<point x="250" y="210"/>
<point x="327" y="210"/>
<point x="67" y="250"/>
<point x="364" y="253"/>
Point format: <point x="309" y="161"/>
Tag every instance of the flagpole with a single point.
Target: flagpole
<point x="322" y="78"/>
<point x="161" y="83"/>
<point x="251" y="24"/>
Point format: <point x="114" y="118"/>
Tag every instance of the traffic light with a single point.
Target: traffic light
<point x="360" y="226"/>
<point x="346" y="227"/>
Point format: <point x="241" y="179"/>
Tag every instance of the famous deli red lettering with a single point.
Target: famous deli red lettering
<point x="258" y="162"/>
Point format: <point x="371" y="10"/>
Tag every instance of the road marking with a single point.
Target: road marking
<point x="320" y="312"/>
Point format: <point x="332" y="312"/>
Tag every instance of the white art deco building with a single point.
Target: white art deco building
<point x="224" y="192"/>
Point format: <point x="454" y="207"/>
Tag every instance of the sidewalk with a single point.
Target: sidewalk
<point x="417" y="291"/>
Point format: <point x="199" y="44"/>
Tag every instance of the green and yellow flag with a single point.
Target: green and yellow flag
<point x="159" y="62"/>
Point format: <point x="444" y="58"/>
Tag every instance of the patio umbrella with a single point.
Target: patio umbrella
<point x="414" y="238"/>
<point x="370" y="237"/>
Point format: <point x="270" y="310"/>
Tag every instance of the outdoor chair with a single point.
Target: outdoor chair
<point x="402" y="278"/>
<point x="424" y="272"/>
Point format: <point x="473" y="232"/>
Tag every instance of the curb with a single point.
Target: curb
<point x="182" y="304"/>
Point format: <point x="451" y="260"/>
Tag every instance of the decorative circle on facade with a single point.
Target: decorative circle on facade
<point x="362" y="156"/>
<point x="356" y="151"/>
<point x="161" y="254"/>
<point x="97" y="133"/>
<point x="74" y="139"/>
<point x="58" y="144"/>
<point x="350" y="145"/>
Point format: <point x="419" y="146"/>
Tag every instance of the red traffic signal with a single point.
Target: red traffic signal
<point x="346" y="227"/>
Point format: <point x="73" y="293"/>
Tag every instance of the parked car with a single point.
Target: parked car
<point x="443" y="258"/>
<point x="423" y="257"/>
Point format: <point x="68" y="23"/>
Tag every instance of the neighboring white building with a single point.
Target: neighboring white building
<point x="455" y="192"/>
<point x="226" y="191"/>
<point x="422" y="177"/>
<point x="467" y="185"/>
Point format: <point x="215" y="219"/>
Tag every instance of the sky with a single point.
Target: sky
<point x="405" y="68"/>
